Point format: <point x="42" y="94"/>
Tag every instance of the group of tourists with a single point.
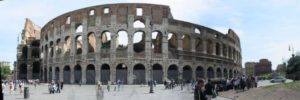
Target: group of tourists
<point x="55" y="86"/>
<point x="238" y="84"/>
<point x="14" y="85"/>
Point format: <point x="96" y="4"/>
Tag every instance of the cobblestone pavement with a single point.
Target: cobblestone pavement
<point x="88" y="92"/>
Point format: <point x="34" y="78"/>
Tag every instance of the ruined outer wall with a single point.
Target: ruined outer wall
<point x="122" y="17"/>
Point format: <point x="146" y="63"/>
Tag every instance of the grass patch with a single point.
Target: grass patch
<point x="290" y="85"/>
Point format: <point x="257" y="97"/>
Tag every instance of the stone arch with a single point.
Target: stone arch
<point x="172" y="41"/>
<point x="224" y="50"/>
<point x="36" y="70"/>
<point x="209" y="46"/>
<point x="139" y="72"/>
<point x="173" y="72"/>
<point x="122" y="41"/>
<point x="35" y="50"/>
<point x="67" y="46"/>
<point x="67" y="75"/>
<point x="230" y="73"/>
<point x="56" y="74"/>
<point x="23" y="71"/>
<point x="139" y="24"/>
<point x="218" y="52"/>
<point x="77" y="73"/>
<point x="90" y="74"/>
<point x="225" y="73"/>
<point x="199" y="45"/>
<point x="186" y="42"/>
<point x="210" y="73"/>
<point x="105" y="40"/>
<point x="121" y="73"/>
<point x="79" y="28"/>
<point x="156" y="41"/>
<point x="200" y="72"/>
<point x="105" y="73"/>
<point x="91" y="42"/>
<point x="50" y="74"/>
<point x="157" y="73"/>
<point x="139" y="41"/>
<point x="219" y="73"/>
<point x="58" y="47"/>
<point x="25" y="52"/>
<point x="197" y="31"/>
<point x="187" y="73"/>
<point x="78" y="44"/>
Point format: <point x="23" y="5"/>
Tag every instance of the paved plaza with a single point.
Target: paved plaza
<point x="88" y="92"/>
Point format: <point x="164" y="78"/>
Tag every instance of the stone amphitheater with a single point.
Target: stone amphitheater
<point x="134" y="43"/>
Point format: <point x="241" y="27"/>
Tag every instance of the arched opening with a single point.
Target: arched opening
<point x="210" y="73"/>
<point x="45" y="75"/>
<point x="187" y="73"/>
<point x="58" y="47"/>
<point x="68" y="20"/>
<point x="67" y="75"/>
<point x="172" y="41"/>
<point x="209" y="46"/>
<point x="35" y="53"/>
<point x="138" y="24"/>
<point x="224" y="50"/>
<point x="229" y="52"/>
<point x="90" y="74"/>
<point x="199" y="45"/>
<point x="23" y="71"/>
<point x="218" y="52"/>
<point x="157" y="73"/>
<point x="57" y="74"/>
<point x="51" y="49"/>
<point x="219" y="73"/>
<point x="122" y="41"/>
<point x="105" y="73"/>
<point x="50" y="74"/>
<point x="156" y="43"/>
<point x="79" y="28"/>
<point x="139" y="74"/>
<point x="173" y="72"/>
<point x="67" y="46"/>
<point x="78" y="44"/>
<point x="186" y="42"/>
<point x="121" y="73"/>
<point x="230" y="74"/>
<point x="77" y="74"/>
<point x="196" y="30"/>
<point x="24" y="52"/>
<point x="91" y="42"/>
<point x="36" y="70"/>
<point x="139" y="42"/>
<point x="105" y="40"/>
<point x="225" y="73"/>
<point x="200" y="72"/>
<point x="92" y="12"/>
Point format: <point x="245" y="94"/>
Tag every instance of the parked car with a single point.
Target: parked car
<point x="277" y="79"/>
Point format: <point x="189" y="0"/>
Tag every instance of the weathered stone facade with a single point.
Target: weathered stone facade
<point x="84" y="45"/>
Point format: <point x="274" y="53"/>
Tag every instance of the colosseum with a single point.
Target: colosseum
<point x="133" y="43"/>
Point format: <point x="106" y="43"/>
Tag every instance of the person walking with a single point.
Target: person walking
<point x="199" y="91"/>
<point x="209" y="88"/>
<point x="57" y="87"/>
<point x="99" y="92"/>
<point x="61" y="85"/>
<point x="108" y="86"/>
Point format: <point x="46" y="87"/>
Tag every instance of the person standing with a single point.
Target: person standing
<point x="57" y="87"/>
<point x="61" y="85"/>
<point x="209" y="88"/>
<point x="108" y="86"/>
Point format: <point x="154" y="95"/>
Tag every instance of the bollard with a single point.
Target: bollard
<point x="26" y="92"/>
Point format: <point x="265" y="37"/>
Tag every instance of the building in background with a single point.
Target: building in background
<point x="281" y="68"/>
<point x="28" y="53"/>
<point x="250" y="68"/>
<point x="4" y="63"/>
<point x="264" y="66"/>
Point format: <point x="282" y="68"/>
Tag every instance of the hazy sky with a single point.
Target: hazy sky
<point x="266" y="27"/>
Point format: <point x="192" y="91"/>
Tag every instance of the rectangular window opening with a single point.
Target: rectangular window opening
<point x="139" y="11"/>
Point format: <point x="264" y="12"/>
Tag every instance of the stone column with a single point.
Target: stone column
<point x="61" y="74"/>
<point x="214" y="48"/>
<point x="204" y="43"/>
<point x="113" y="73"/>
<point x="193" y="46"/>
<point x="194" y="73"/>
<point x="221" y="50"/>
<point x="53" y="73"/>
<point x="98" y="71"/>
<point x="72" y="73"/>
<point x="83" y="78"/>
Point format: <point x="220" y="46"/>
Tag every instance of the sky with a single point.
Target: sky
<point x="266" y="27"/>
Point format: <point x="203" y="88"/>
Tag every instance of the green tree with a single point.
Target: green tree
<point x="5" y="71"/>
<point x="293" y="68"/>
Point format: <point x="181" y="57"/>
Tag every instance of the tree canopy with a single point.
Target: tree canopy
<point x="5" y="71"/>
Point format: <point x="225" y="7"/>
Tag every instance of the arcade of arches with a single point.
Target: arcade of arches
<point x="136" y="74"/>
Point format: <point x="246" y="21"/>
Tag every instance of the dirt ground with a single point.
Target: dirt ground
<point x="262" y="93"/>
